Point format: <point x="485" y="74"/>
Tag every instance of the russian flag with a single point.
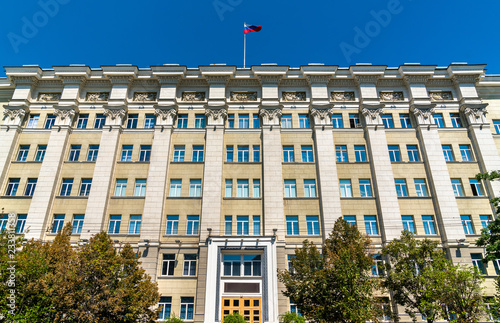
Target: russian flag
<point x="250" y="28"/>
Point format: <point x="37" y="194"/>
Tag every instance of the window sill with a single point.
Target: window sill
<point x="177" y="277"/>
<point x="180" y="236"/>
<point x="301" y="198"/>
<point x="471" y="197"/>
<point x="187" y="162"/>
<point x="26" y="162"/>
<point x="462" y="162"/>
<point x="241" y="198"/>
<point x="246" y="163"/>
<point x="407" y="162"/>
<point x="132" y="162"/>
<point x="15" y="197"/>
<point x="358" y="198"/>
<point x="414" y="197"/>
<point x="71" y="197"/>
<point x="298" y="163"/>
<point x="79" y="162"/>
<point x="128" y="197"/>
<point x="302" y="236"/>
<point x="185" y="197"/>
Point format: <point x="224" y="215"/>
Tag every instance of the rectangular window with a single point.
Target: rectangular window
<point x="365" y="188"/>
<point x="477" y="261"/>
<point x="467" y="224"/>
<point x="438" y="120"/>
<point x="243" y="154"/>
<point x="466" y="153"/>
<point x="145" y="153"/>
<point x="74" y="152"/>
<point x="457" y="187"/>
<point x="228" y="225"/>
<point x="485" y="221"/>
<point x="387" y="121"/>
<point x="242" y="225"/>
<point x="405" y="120"/>
<point x="371" y="225"/>
<point x="179" y="153"/>
<point x="230" y="120"/>
<point x="304" y="121"/>
<point x="140" y="187"/>
<point x="199" y="121"/>
<point x="149" y="121"/>
<point x="21" y="222"/>
<point x="312" y="223"/>
<point x="408" y="223"/>
<point x="243" y="121"/>
<point x="197" y="153"/>
<point x="309" y="188"/>
<point x="100" y="120"/>
<point x="341" y="152"/>
<point x="456" y="122"/>
<point x="182" y="121"/>
<point x="229" y="188"/>
<point x="168" y="265"/>
<point x="354" y="120"/>
<point x="22" y="154"/>
<point x="256" y="154"/>
<point x="292" y="225"/>
<point x="30" y="187"/>
<point x="288" y="154"/>
<point x="394" y="154"/>
<point x="345" y="188"/>
<point x="412" y="153"/>
<point x="172" y="224"/>
<point x="3" y="221"/>
<point x="82" y="121"/>
<point x="195" y="188"/>
<point x="307" y="154"/>
<point x="496" y="124"/>
<point x="40" y="152"/>
<point x="114" y="224"/>
<point x="360" y="153"/>
<point x="420" y="187"/>
<point x="476" y="187"/>
<point x="290" y="188"/>
<point x="378" y="267"/>
<point x="256" y="225"/>
<point x="85" y="187"/>
<point x="229" y="153"/>
<point x="337" y="121"/>
<point x="93" y="152"/>
<point x="132" y="121"/>
<point x="256" y="121"/>
<point x="49" y="122"/>
<point x="12" y="186"/>
<point x="351" y="219"/>
<point x="401" y="189"/>
<point x="165" y="307"/>
<point x="192" y="224"/>
<point x="242" y="188"/>
<point x="33" y="121"/>
<point x="78" y="223"/>
<point x="67" y="185"/>
<point x="256" y="188"/>
<point x="286" y="121"/>
<point x="232" y="265"/>
<point x="134" y="226"/>
<point x="121" y="187"/>
<point x="190" y="265"/>
<point x="294" y="308"/>
<point x="428" y="222"/>
<point x="127" y="152"/>
<point x="58" y="223"/>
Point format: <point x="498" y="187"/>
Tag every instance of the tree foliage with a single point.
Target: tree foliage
<point x="234" y="318"/>
<point x="290" y="317"/>
<point x="334" y="285"/>
<point x="490" y="237"/>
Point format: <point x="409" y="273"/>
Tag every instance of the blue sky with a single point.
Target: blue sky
<point x="201" y="32"/>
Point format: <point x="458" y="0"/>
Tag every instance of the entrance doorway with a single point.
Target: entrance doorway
<point x="248" y="307"/>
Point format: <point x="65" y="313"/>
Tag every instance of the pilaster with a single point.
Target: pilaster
<point x="9" y="134"/>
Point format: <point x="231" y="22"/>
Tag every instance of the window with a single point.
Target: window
<point x="288" y="154"/>
<point x="78" y="223"/>
<point x="371" y="225"/>
<point x="149" y="121"/>
<point x="242" y="188"/>
<point x="168" y="265"/>
<point x="93" y="152"/>
<point x="195" y="188"/>
<point x="33" y="121"/>
<point x="438" y="120"/>
<point x="378" y="267"/>
<point x="85" y="187"/>
<point x="192" y="224"/>
<point x="294" y="308"/>
<point x="360" y="153"/>
<point x="365" y="188"/>
<point x="242" y="225"/>
<point x="456" y="122"/>
<point x="100" y="120"/>
<point x="307" y="154"/>
<point x="190" y="265"/>
<point x="21" y="222"/>
<point x="30" y="187"/>
<point x="351" y="219"/>
<point x="412" y="153"/>
<point x="40" y="152"/>
<point x="172" y="224"/>
<point x="467" y="224"/>
<point x="354" y="120"/>
<point x="310" y="188"/>
<point x="134" y="226"/>
<point x="228" y="225"/>
<point x="199" y="121"/>
<point x="290" y="188"/>
<point x="476" y="187"/>
<point x="182" y="121"/>
<point x="114" y="224"/>
<point x="178" y="153"/>
<point x="466" y="152"/>
<point x="67" y="185"/>
<point x="394" y="154"/>
<point x="256" y="225"/>
<point x="74" y="152"/>
<point x="290" y="264"/>
<point x="457" y="187"/>
<point x="496" y="124"/>
<point x="341" y="152"/>
<point x="232" y="265"/>
<point x="428" y="222"/>
<point x="12" y="187"/>
<point x="408" y="223"/>
<point x="337" y="121"/>
<point x="286" y="121"/>
<point x="243" y="154"/>
<point x="3" y="221"/>
<point x="256" y="121"/>
<point x="140" y="187"/>
<point x="145" y="153"/>
<point x="477" y="261"/>
<point x="256" y="154"/>
<point x="485" y="220"/>
<point x="229" y="153"/>
<point x="230" y="120"/>
<point x="81" y="123"/>
<point x="405" y="120"/>
<point x="58" y="223"/>
<point x="197" y="153"/>
<point x="420" y="187"/>
<point x="251" y="265"/>
<point x="127" y="152"/>
<point x="304" y="121"/>
<point x="292" y="225"/>
<point x="312" y="223"/>
<point x="401" y="189"/>
<point x="165" y="307"/>
<point x="229" y="188"/>
<point x="49" y="122"/>
<point x="23" y="152"/>
<point x="121" y="187"/>
<point x="256" y="188"/>
<point x="132" y="121"/>
<point x="387" y="121"/>
<point x="243" y="121"/>
<point x="345" y="188"/>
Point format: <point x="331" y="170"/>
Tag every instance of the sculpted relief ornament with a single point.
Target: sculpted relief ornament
<point x="342" y="96"/>
<point x="64" y="113"/>
<point x="49" y="97"/>
<point x="13" y="114"/>
<point x="145" y="96"/>
<point x="321" y="116"/>
<point x="193" y="96"/>
<point x="391" y="96"/>
<point x="165" y="113"/>
<point x="440" y="95"/>
<point x="477" y="113"/>
<point x="243" y="96"/>
<point x="372" y="113"/>
<point x="294" y="96"/>
<point x="216" y="114"/>
<point x="114" y="113"/>
<point x="97" y="96"/>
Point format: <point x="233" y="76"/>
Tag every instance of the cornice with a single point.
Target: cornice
<point x="342" y="82"/>
<point x="367" y="79"/>
<point x="294" y="82"/>
<point x="193" y="82"/>
<point x="416" y="79"/>
<point x="243" y="82"/>
<point x="144" y="82"/>
<point x="439" y="82"/>
<point x="390" y="82"/>
<point x="466" y="78"/>
<point x="217" y="79"/>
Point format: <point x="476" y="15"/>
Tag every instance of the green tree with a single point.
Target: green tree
<point x="334" y="285"/>
<point x="490" y="237"/>
<point x="290" y="317"/>
<point x="234" y="318"/>
<point x="174" y="319"/>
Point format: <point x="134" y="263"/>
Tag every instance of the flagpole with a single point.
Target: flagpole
<point x="244" y="45"/>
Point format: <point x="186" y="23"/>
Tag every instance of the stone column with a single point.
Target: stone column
<point x="13" y="117"/>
